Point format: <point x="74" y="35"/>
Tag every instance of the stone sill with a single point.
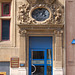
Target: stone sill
<point x="5" y="43"/>
<point x="5" y="17"/>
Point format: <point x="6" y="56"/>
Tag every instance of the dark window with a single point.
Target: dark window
<point x="5" y="9"/>
<point x="5" y="29"/>
<point x="39" y="70"/>
<point x="38" y="54"/>
<point x="49" y="70"/>
<point x="40" y="14"/>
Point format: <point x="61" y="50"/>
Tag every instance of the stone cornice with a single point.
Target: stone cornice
<point x="37" y="27"/>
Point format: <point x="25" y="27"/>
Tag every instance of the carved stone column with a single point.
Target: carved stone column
<point x="22" y="46"/>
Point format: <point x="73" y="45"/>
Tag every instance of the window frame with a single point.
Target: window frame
<point x="9" y="30"/>
<point x="9" y="8"/>
<point x="4" y="73"/>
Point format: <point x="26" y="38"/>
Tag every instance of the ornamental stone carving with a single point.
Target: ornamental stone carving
<point x="22" y="32"/>
<point x="40" y="1"/>
<point x="31" y="1"/>
<point x="49" y="1"/>
<point x="56" y="12"/>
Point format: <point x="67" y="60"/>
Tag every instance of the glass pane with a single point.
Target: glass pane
<point x="5" y="29"/>
<point x="37" y="61"/>
<point x="40" y="14"/>
<point x="48" y="53"/>
<point x="48" y="70"/>
<point x="37" y="54"/>
<point x="6" y="8"/>
<point x="39" y="70"/>
<point x="48" y="61"/>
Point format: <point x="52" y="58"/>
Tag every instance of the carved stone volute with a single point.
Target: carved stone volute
<point x="22" y="32"/>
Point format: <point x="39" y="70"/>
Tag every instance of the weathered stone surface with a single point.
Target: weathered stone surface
<point x="23" y="26"/>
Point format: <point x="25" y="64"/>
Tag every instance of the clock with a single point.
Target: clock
<point x="40" y="14"/>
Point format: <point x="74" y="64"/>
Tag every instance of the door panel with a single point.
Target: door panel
<point x="40" y="56"/>
<point x="38" y="60"/>
<point x="41" y="62"/>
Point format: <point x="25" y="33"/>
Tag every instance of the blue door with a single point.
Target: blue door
<point x="40" y="56"/>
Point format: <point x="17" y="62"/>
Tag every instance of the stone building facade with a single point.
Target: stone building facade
<point x="36" y="37"/>
<point x="70" y="35"/>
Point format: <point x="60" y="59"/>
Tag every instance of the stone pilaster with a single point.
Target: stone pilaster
<point x="22" y="51"/>
<point x="58" y="53"/>
<point x="58" y="48"/>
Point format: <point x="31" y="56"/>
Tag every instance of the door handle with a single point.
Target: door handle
<point x="34" y="69"/>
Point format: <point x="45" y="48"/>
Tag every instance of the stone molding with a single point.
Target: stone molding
<point x="58" y="31"/>
<point x="57" y="28"/>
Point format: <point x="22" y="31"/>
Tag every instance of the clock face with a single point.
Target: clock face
<point x="40" y="14"/>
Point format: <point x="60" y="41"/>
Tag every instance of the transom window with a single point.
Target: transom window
<point x="5" y="9"/>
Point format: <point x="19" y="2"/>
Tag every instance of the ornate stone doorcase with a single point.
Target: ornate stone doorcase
<point x="42" y="18"/>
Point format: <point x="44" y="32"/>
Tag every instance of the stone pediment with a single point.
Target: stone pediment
<point x="55" y="9"/>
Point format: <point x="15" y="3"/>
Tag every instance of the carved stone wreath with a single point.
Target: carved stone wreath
<point x="57" y="13"/>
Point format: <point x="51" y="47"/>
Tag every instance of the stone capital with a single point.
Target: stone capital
<point x="22" y="32"/>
